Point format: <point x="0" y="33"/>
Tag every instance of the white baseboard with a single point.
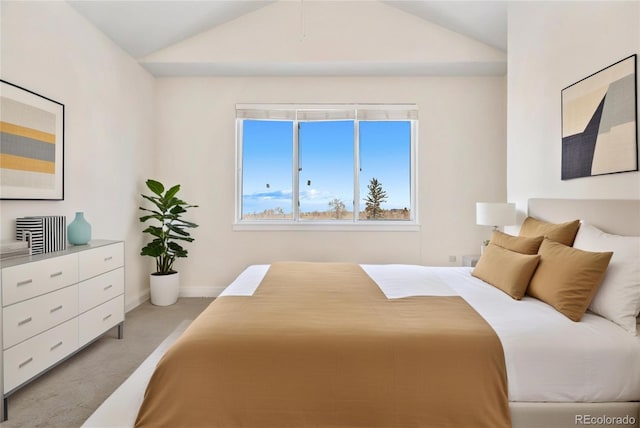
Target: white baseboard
<point x="200" y="291"/>
<point x="134" y="302"/>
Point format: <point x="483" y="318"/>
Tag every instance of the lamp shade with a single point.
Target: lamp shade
<point x="495" y="213"/>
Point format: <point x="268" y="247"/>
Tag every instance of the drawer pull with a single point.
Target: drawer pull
<point x="24" y="321"/>
<point x="57" y="345"/>
<point x="108" y="287"/>
<point x="57" y="308"/>
<point x="107" y="259"/>
<point x="53" y="275"/>
<point x="25" y="362"/>
<point x="106" y="318"/>
<point x="25" y="282"/>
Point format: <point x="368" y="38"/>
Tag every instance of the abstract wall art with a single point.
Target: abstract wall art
<point x="31" y="145"/>
<point x="599" y="122"/>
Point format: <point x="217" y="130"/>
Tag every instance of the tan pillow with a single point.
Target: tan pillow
<point x="519" y="244"/>
<point x="563" y="233"/>
<point x="568" y="278"/>
<point x="506" y="270"/>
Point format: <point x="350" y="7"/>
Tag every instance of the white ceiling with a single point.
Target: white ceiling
<point x="485" y="21"/>
<point x="145" y="26"/>
<point x="142" y="27"/>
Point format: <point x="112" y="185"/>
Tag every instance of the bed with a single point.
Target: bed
<point x="550" y="372"/>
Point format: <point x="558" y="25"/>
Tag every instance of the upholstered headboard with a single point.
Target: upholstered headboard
<point x="617" y="216"/>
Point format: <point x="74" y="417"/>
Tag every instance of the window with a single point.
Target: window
<point x="385" y="156"/>
<point x="325" y="166"/>
<point x="338" y="165"/>
<point x="266" y="170"/>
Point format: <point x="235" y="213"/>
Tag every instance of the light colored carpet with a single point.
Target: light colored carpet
<point x="121" y="408"/>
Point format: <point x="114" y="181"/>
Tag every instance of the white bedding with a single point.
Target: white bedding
<point x="548" y="356"/>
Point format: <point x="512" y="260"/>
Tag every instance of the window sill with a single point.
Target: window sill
<point x="363" y="226"/>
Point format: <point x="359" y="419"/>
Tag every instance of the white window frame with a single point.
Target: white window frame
<point x="297" y="113"/>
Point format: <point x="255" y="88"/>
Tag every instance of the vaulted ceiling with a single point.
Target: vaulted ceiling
<point x="146" y="27"/>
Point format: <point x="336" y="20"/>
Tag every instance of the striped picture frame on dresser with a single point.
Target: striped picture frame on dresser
<point x="45" y="233"/>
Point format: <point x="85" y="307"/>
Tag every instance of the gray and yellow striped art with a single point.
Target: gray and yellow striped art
<point x="27" y="152"/>
<point x="31" y="145"/>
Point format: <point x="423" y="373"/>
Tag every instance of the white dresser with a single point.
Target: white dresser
<point x="55" y="304"/>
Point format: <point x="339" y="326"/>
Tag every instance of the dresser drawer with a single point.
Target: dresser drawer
<point x="28" y="280"/>
<point x="29" y="358"/>
<point x="101" y="288"/>
<point x="26" y="319"/>
<point x="100" y="260"/>
<point x="98" y="320"/>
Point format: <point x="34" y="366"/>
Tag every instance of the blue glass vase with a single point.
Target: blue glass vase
<point x="79" y="230"/>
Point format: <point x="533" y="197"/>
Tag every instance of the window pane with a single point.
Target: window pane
<point x="267" y="159"/>
<point x="385" y="156"/>
<point x="325" y="151"/>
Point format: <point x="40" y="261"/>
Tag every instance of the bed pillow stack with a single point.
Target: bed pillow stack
<point x="540" y="262"/>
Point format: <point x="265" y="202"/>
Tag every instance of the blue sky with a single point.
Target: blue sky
<point x="326" y="158"/>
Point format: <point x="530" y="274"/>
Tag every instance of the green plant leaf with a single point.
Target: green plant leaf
<point x="155" y="200"/>
<point x="178" y="209"/>
<point x="175" y="246"/>
<point x="155" y="231"/>
<point x="181" y="238"/>
<point x="178" y="251"/>
<point x="154" y="216"/>
<point x="150" y="211"/>
<point x="152" y="251"/>
<point x="177" y="229"/>
<point x="155" y="186"/>
<point x="172" y="192"/>
<point x="185" y="223"/>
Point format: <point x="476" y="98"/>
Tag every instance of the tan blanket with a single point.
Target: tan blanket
<point x="319" y="345"/>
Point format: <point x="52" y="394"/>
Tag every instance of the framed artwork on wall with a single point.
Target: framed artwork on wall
<point x="599" y="122"/>
<point x="31" y="145"/>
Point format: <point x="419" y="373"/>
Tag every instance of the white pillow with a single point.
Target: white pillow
<point x="618" y="298"/>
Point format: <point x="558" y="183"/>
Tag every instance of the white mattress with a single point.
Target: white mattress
<point x="548" y="356"/>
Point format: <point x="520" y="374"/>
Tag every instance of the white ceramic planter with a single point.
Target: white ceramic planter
<point x="164" y="289"/>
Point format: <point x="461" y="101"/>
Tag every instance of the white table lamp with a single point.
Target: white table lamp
<point x="495" y="214"/>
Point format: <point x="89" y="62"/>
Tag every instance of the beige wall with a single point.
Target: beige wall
<point x="551" y="46"/>
<point x="50" y="49"/>
<point x="461" y="161"/>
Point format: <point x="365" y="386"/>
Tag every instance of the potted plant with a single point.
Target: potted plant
<point x="168" y="230"/>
